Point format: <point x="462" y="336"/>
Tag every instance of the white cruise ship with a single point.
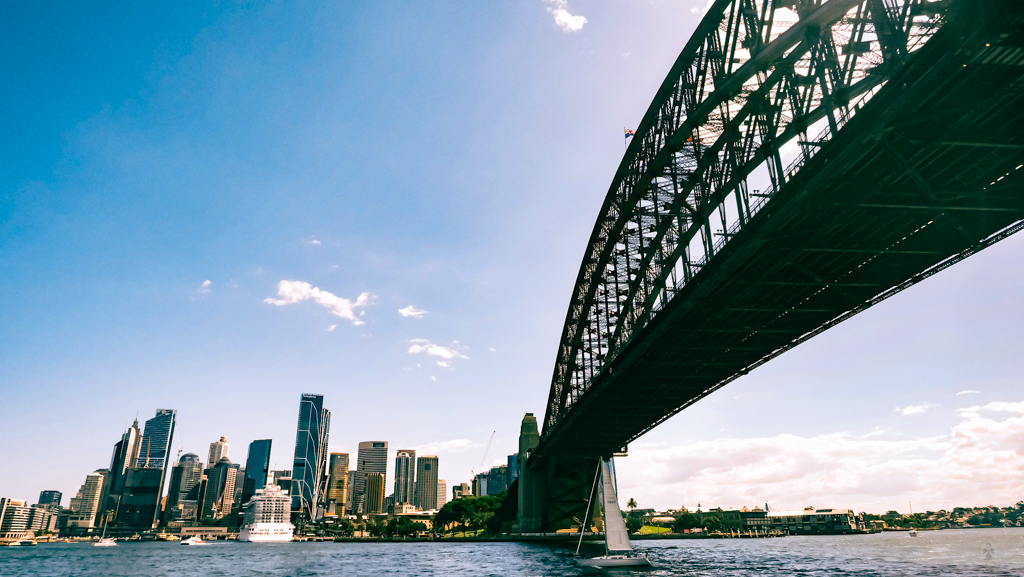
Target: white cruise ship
<point x="267" y="517"/>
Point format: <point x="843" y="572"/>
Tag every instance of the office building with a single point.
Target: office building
<point x="126" y="456"/>
<point x="86" y="503"/>
<point x="373" y="497"/>
<point x="14" y="516"/>
<point x="155" y="448"/>
<point x="442" y="493"/>
<point x="218" y="451"/>
<point x="513" y="469"/>
<point x="184" y="475"/>
<point x="426" y="483"/>
<point x="42" y="519"/>
<point x="480" y="485"/>
<point x="405" y="476"/>
<point x="140" y="501"/>
<point x="257" y="468"/>
<point x="309" y="469"/>
<point x="497" y="480"/>
<point x="350" y="491"/>
<point x="337" y="485"/>
<point x="372" y="458"/>
<point x="50" y="499"/>
<point x="461" y="490"/>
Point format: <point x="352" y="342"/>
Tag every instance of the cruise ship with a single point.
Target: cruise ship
<point x="266" y="517"/>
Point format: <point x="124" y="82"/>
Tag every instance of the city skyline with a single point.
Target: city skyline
<point x="194" y="209"/>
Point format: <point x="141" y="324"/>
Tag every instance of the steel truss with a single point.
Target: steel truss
<point x="756" y="76"/>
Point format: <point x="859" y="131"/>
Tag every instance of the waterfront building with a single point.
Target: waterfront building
<point x="139" y="507"/>
<point x="337" y="484"/>
<point x="218" y="450"/>
<point x="50" y="499"/>
<point x="86" y="503"/>
<point x="42" y="518"/>
<point x="372" y="458"/>
<point x="184" y="475"/>
<point x="815" y="521"/>
<point x="226" y="501"/>
<point x="480" y="485"/>
<point x="461" y="490"/>
<point x="426" y="483"/>
<point x="14" y="518"/>
<point x="442" y="493"/>
<point x="309" y="469"/>
<point x="403" y="509"/>
<point x="266" y="517"/>
<point x="405" y="476"/>
<point x="373" y="497"/>
<point x="257" y="468"/>
<point x="497" y="480"/>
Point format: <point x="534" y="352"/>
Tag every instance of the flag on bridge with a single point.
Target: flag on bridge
<point x="629" y="133"/>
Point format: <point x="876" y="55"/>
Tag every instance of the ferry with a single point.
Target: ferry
<point x="197" y="540"/>
<point x="266" y="517"/>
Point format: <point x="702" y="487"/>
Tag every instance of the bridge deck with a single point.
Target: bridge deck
<point x="903" y="188"/>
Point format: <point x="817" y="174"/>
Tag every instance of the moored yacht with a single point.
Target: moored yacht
<point x="266" y="517"/>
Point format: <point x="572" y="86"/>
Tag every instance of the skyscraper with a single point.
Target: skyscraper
<point x="350" y="502"/>
<point x="374" y="496"/>
<point x="337" y="486"/>
<point x="184" y="475"/>
<point x="218" y="451"/>
<point x="86" y="503"/>
<point x="257" y="467"/>
<point x="155" y="448"/>
<point x="426" y="482"/>
<point x="405" y="476"/>
<point x="50" y="499"/>
<point x="442" y="493"/>
<point x="372" y="458"/>
<point x="309" y="469"/>
<point x="126" y="456"/>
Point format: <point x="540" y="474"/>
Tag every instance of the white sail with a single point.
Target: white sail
<point x="616" y="536"/>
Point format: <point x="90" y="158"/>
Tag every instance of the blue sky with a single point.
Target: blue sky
<point x="164" y="170"/>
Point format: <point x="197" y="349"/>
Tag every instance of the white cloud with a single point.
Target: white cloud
<point x="412" y="311"/>
<point x="563" y="19"/>
<point x="451" y="446"/>
<point x="292" y="291"/>
<point x="967" y="392"/>
<point x="331" y="328"/>
<point x="417" y="346"/>
<point x="445" y="364"/>
<point x="492" y="349"/>
<point x="915" y="409"/>
<point x="204" y="288"/>
<point x="314" y="241"/>
<point x="433" y="378"/>
<point x="978" y="463"/>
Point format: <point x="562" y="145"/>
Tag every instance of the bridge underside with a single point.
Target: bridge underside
<point x="926" y="174"/>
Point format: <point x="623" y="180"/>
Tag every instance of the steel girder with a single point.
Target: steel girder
<point x="755" y="76"/>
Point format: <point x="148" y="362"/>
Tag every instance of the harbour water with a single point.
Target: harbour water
<point x="980" y="552"/>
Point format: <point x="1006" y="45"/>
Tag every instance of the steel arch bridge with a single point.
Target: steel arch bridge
<point x="802" y="161"/>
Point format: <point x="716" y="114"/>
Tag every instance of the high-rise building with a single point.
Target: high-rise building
<point x="85" y="505"/>
<point x="140" y="501"/>
<point x="513" y="469"/>
<point x="497" y="480"/>
<point x="257" y="467"/>
<point x="442" y="493"/>
<point x="184" y="476"/>
<point x="50" y="499"/>
<point x="461" y="490"/>
<point x="374" y="496"/>
<point x="350" y="504"/>
<point x="405" y="476"/>
<point x="309" y="469"/>
<point x="15" y="515"/>
<point x="218" y="450"/>
<point x="155" y="448"/>
<point x="337" y="485"/>
<point x="426" y="483"/>
<point x="372" y="458"/>
<point x="126" y="456"/>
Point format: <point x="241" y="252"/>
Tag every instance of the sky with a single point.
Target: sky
<point x="217" y="207"/>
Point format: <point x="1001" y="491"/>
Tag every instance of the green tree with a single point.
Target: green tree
<point x="634" y="523"/>
<point x="712" y="522"/>
<point x="684" y="522"/>
<point x="631" y="504"/>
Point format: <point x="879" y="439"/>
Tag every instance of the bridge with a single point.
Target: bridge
<point x="803" y="161"/>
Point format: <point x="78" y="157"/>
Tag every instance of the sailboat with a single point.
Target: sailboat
<point x="913" y="532"/>
<point x="618" y="550"/>
<point x="104" y="540"/>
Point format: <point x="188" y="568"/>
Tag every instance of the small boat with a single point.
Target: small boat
<point x="105" y="542"/>
<point x="913" y="532"/>
<point x="26" y="542"/>
<point x="618" y="550"/>
<point x="194" y="541"/>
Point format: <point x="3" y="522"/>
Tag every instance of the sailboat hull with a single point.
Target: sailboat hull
<point x="614" y="561"/>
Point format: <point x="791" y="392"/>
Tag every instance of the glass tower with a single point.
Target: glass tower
<point x="156" y="440"/>
<point x="405" y="473"/>
<point x="372" y="458"/>
<point x="309" y="469"/>
<point x="257" y="467"/>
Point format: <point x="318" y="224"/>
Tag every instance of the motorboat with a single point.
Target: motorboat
<point x="913" y="532"/>
<point x="105" y="542"/>
<point x="618" y="549"/>
<point x="26" y="542"/>
<point x="196" y="540"/>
